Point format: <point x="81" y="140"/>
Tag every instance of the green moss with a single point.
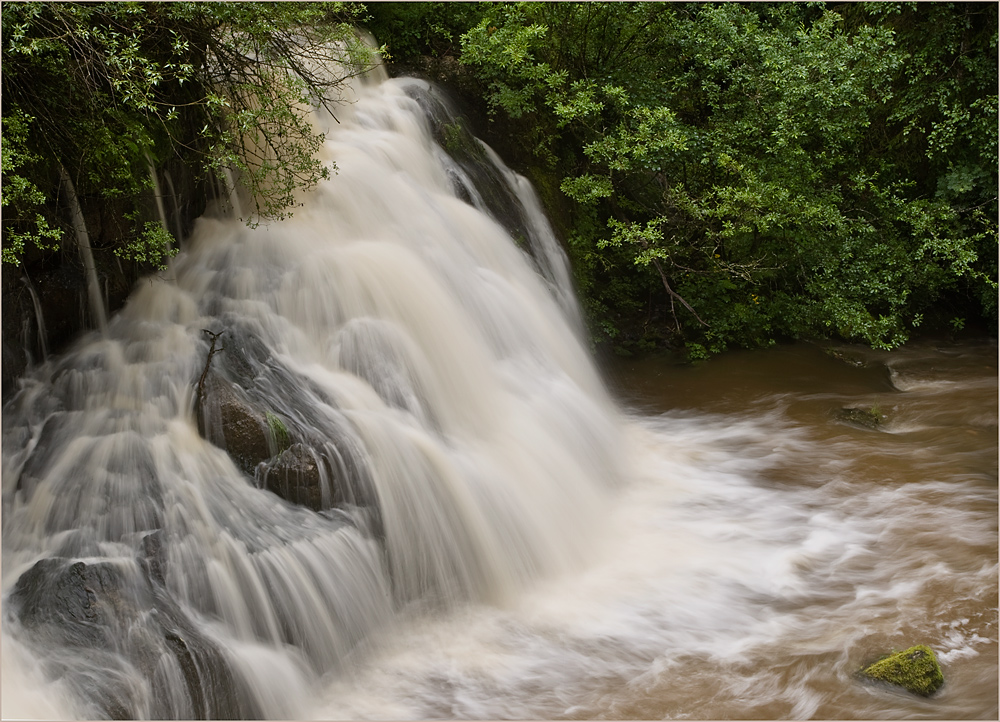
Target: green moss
<point x="847" y="358"/>
<point x="915" y="669"/>
<point x="460" y="144"/>
<point x="279" y="432"/>
<point x="869" y="418"/>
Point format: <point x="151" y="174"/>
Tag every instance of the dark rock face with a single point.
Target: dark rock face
<point x="118" y="617"/>
<point x="59" y="280"/>
<point x="61" y="290"/>
<point x="296" y="475"/>
<point x="228" y="420"/>
<point x="82" y="602"/>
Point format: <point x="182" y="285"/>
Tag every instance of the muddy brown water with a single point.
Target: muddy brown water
<point x="718" y="541"/>
<point x="761" y="550"/>
<point x="923" y="482"/>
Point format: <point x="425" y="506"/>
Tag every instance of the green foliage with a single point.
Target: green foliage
<point x="410" y="29"/>
<point x="152" y="247"/>
<point x="776" y="170"/>
<point x="22" y="200"/>
<point x="101" y="88"/>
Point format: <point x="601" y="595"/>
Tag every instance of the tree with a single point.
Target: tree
<point x="764" y="165"/>
<point x="107" y="89"/>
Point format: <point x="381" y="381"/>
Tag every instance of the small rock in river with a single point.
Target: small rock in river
<point x="868" y="418"/>
<point x="914" y="669"/>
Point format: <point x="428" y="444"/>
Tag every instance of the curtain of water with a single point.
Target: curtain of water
<point x="397" y="329"/>
<point x="489" y="536"/>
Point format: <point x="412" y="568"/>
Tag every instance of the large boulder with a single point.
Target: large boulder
<point x="119" y="624"/>
<point x="82" y="602"/>
<point x="271" y="422"/>
<point x="228" y="420"/>
<point x="298" y="475"/>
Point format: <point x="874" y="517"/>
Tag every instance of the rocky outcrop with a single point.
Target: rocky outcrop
<point x="307" y="458"/>
<point x="298" y="475"/>
<point x="915" y="670"/>
<point x="870" y="418"/>
<point x="119" y="617"/>
<point x="228" y="420"/>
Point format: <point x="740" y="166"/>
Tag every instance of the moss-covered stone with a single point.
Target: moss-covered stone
<point x="847" y="357"/>
<point x="279" y="432"/>
<point x="868" y="418"/>
<point x="915" y="669"/>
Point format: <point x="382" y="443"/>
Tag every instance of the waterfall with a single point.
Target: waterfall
<point x="389" y="339"/>
<point x="158" y="196"/>
<point x="178" y="233"/>
<point x="232" y="192"/>
<point x="39" y="318"/>
<point x="359" y="464"/>
<point x="83" y="244"/>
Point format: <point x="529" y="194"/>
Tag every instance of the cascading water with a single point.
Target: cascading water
<point x="403" y="342"/>
<point x="479" y="531"/>
<point x="40" y="332"/>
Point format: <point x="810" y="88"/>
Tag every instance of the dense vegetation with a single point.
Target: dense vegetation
<point x="744" y="173"/>
<point x="109" y="90"/>
<point x="727" y="174"/>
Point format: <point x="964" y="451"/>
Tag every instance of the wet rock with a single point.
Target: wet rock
<point x="82" y="602"/>
<point x="213" y="691"/>
<point x="915" y="670"/>
<point x="297" y="476"/>
<point x="117" y="616"/>
<point x="322" y="474"/>
<point x="86" y="609"/>
<point x="153" y="557"/>
<point x="230" y="422"/>
<point x="847" y="357"/>
<point x="56" y="431"/>
<point x="303" y="450"/>
<point x="870" y="418"/>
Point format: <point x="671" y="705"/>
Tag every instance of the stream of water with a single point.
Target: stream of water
<point x="521" y="535"/>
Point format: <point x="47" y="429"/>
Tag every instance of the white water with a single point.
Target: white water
<point x="710" y="598"/>
<point x="39" y="317"/>
<point x="97" y="310"/>
<point x="395" y="316"/>
<point x="535" y="552"/>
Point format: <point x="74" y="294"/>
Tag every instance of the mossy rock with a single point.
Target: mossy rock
<point x="915" y="670"/>
<point x="846" y="357"/>
<point x="867" y="418"/>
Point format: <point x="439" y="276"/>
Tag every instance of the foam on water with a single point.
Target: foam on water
<point x="395" y="328"/>
<point x="709" y="595"/>
<point x="507" y="542"/>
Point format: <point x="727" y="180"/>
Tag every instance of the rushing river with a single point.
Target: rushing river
<point x="504" y="531"/>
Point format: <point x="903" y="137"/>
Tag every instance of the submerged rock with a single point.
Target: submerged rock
<point x="296" y="476"/>
<point x="117" y="616"/>
<point x="915" y="670"/>
<point x="869" y="418"/>
<point x="847" y="357"/>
